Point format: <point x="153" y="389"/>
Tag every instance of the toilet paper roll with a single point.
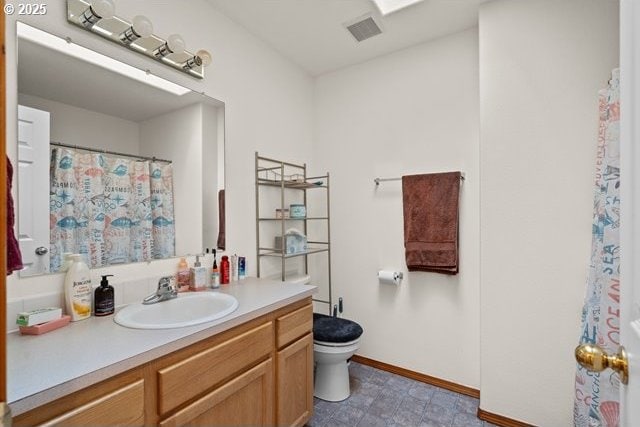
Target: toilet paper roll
<point x="388" y="277"/>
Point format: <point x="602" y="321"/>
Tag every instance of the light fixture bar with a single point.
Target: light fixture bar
<point x="43" y="38"/>
<point x="128" y="34"/>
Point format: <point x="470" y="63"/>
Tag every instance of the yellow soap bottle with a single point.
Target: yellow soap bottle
<point x="78" y="292"/>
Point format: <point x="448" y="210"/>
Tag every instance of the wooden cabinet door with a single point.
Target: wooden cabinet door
<point x="247" y="400"/>
<point x="295" y="382"/>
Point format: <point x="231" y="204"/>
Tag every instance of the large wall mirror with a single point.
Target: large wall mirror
<point x="114" y="163"/>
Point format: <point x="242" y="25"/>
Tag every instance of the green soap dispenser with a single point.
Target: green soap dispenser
<point x="104" y="298"/>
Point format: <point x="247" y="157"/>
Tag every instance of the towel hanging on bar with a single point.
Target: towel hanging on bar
<point x="379" y="180"/>
<point x="430" y="211"/>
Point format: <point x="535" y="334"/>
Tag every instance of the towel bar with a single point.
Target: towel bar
<point x="379" y="180"/>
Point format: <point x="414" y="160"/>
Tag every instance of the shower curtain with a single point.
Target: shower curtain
<point x="111" y="210"/>
<point x="596" y="393"/>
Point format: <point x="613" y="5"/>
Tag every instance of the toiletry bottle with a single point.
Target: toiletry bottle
<point x="198" y="276"/>
<point x="224" y="270"/>
<point x="104" y="298"/>
<point x="204" y="261"/>
<point x="215" y="274"/>
<point x="242" y="268"/>
<point x="183" y="277"/>
<point x="77" y="289"/>
<point x="234" y="268"/>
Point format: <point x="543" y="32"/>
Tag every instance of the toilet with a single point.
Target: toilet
<point x="335" y="340"/>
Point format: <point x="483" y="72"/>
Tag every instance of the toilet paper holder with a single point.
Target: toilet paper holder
<point x="390" y="277"/>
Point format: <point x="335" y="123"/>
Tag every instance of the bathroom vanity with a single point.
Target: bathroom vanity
<point x="253" y="367"/>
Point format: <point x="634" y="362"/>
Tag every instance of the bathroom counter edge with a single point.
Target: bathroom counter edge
<point x="44" y="368"/>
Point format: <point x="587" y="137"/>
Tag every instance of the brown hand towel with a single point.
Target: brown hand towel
<point x="430" y="205"/>
<point x="14" y="256"/>
<point x="222" y="241"/>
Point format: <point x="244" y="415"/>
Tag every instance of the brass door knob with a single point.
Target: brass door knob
<point x="594" y="358"/>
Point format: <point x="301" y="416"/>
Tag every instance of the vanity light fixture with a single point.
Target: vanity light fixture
<point x="98" y="17"/>
<point x="43" y="38"/>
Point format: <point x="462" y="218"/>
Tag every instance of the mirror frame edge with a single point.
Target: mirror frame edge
<point x="3" y="217"/>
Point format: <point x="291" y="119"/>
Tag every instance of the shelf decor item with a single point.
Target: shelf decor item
<point x="282" y="213"/>
<point x="298" y="211"/>
<point x="295" y="242"/>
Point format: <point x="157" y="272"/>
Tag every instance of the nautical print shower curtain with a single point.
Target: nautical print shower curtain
<point x="596" y="393"/>
<point x="163" y="230"/>
<point x="111" y="210"/>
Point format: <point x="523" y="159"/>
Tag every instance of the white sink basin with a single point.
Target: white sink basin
<point x="186" y="310"/>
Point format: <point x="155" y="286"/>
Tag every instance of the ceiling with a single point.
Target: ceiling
<point x="311" y="32"/>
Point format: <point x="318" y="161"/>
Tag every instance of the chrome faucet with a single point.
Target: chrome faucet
<point x="166" y="290"/>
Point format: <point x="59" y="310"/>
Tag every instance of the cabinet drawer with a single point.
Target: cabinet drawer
<point x="244" y="401"/>
<point x="124" y="406"/>
<point x="294" y="325"/>
<point x="184" y="380"/>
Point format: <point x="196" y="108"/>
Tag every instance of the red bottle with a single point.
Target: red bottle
<point x="224" y="270"/>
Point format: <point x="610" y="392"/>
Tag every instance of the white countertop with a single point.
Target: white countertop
<point x="42" y="368"/>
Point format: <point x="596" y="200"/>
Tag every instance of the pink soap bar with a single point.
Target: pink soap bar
<point x="43" y="328"/>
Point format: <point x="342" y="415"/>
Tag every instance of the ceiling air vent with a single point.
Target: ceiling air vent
<point x="363" y="28"/>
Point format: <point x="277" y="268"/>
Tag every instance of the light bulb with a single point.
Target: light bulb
<point x="201" y="58"/>
<point x="205" y="57"/>
<point x="103" y="8"/>
<point x="175" y="43"/>
<point x="142" y="26"/>
<point x="99" y="9"/>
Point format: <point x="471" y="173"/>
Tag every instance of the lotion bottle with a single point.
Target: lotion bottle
<point x="104" y="298"/>
<point x="77" y="289"/>
<point x="234" y="268"/>
<point x="198" y="276"/>
<point x="184" y="276"/>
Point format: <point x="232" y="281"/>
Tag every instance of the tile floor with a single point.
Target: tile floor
<point x="380" y="398"/>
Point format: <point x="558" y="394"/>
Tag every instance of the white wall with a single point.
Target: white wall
<point x="542" y="63"/>
<point x="86" y="128"/>
<point x="268" y="107"/>
<point x="414" y="111"/>
<point x="178" y="136"/>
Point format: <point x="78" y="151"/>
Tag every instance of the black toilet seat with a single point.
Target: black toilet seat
<point x="335" y="329"/>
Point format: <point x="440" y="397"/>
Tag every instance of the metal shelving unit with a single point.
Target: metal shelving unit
<point x="291" y="177"/>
